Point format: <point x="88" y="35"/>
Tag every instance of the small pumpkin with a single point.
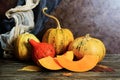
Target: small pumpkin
<point x="22" y="47"/>
<point x="59" y="37"/>
<point x="41" y="50"/>
<point x="88" y="45"/>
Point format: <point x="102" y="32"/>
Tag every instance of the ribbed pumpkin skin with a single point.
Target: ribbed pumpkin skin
<point x="59" y="38"/>
<point x="89" y="45"/>
<point x="22" y="47"/>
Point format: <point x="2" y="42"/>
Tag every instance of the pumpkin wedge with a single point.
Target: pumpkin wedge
<point x="85" y="64"/>
<point x="52" y="63"/>
<point x="49" y="63"/>
<point x="68" y="54"/>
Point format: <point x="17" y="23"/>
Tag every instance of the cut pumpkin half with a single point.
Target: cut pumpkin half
<point x="85" y="64"/>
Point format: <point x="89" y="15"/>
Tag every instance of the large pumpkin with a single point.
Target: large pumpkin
<point x="23" y="49"/>
<point x="59" y="37"/>
<point x="88" y="45"/>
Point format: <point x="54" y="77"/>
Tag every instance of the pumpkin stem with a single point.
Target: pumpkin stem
<point x="87" y="36"/>
<point x="53" y="17"/>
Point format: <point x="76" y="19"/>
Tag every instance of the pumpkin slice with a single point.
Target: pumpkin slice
<point x="85" y="64"/>
<point x="69" y="55"/>
<point x="52" y="63"/>
<point x="49" y="63"/>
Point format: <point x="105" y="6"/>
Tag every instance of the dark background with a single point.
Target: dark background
<point x="99" y="18"/>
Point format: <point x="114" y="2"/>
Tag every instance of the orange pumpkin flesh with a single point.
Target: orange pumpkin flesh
<point x="85" y="64"/>
<point x="52" y="63"/>
<point x="49" y="63"/>
<point x="69" y="55"/>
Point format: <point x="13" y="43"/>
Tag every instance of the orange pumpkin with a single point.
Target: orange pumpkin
<point x="88" y="45"/>
<point x="41" y="50"/>
<point x="59" y="37"/>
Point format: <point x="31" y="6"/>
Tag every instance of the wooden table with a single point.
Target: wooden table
<point x="8" y="71"/>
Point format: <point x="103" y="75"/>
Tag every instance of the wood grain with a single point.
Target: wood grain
<point x="8" y="71"/>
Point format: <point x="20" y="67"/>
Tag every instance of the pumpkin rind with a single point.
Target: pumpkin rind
<point x="89" y="45"/>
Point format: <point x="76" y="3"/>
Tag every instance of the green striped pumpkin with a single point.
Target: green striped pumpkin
<point x="59" y="37"/>
<point x="88" y="45"/>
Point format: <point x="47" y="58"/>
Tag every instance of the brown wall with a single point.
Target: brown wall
<point x="6" y="5"/>
<point x="100" y="18"/>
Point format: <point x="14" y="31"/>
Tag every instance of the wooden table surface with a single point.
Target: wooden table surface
<point x="8" y="71"/>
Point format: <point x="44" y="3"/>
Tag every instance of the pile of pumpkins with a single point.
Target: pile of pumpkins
<point x="58" y="49"/>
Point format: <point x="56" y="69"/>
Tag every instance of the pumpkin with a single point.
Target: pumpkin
<point x="68" y="54"/>
<point x="41" y="50"/>
<point x="59" y="37"/>
<point x="87" y="63"/>
<point x="49" y="63"/>
<point x="88" y="45"/>
<point x="22" y="47"/>
<point x="52" y="63"/>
